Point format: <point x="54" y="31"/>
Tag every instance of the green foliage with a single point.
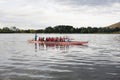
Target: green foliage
<point x="6" y="30"/>
<point x="39" y="31"/>
<point x="49" y="30"/>
<point x="63" y="29"/>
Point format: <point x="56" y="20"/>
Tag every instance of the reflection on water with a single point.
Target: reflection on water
<point x="100" y="60"/>
<point x="35" y="47"/>
<point x="39" y="47"/>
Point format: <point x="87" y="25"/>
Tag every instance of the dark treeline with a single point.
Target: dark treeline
<point x="62" y="29"/>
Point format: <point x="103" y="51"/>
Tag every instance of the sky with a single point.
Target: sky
<point x="39" y="14"/>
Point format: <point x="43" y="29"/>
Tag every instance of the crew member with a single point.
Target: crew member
<point x="36" y="36"/>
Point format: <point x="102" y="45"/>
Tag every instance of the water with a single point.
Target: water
<point x="99" y="60"/>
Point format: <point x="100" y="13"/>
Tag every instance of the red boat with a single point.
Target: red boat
<point x="60" y="43"/>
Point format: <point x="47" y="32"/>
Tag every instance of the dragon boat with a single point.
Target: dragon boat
<point x="59" y="43"/>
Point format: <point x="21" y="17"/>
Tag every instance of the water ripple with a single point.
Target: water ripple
<point x="100" y="60"/>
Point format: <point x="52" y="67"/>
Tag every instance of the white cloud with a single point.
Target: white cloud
<point x="39" y="13"/>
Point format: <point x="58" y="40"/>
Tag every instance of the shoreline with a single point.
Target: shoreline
<point x="63" y="33"/>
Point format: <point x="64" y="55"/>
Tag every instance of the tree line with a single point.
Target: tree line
<point x="62" y="29"/>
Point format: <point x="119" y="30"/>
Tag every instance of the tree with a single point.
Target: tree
<point x="63" y="29"/>
<point x="7" y="30"/>
<point x="49" y="30"/>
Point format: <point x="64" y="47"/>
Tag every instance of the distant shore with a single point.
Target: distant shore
<point x="65" y="29"/>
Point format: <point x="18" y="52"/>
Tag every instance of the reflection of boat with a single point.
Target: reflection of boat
<point x="59" y="43"/>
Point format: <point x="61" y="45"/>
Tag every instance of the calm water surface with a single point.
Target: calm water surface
<point x="99" y="60"/>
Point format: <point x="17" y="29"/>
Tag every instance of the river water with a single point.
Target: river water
<point x="98" y="60"/>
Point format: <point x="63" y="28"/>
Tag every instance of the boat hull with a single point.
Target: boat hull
<point x="59" y="43"/>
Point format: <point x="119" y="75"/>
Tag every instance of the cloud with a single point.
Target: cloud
<point x="88" y="2"/>
<point x="39" y="13"/>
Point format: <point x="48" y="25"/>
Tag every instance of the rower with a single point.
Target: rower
<point x="39" y="39"/>
<point x="67" y="39"/>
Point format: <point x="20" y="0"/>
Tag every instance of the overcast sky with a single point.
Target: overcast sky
<point x="43" y="13"/>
